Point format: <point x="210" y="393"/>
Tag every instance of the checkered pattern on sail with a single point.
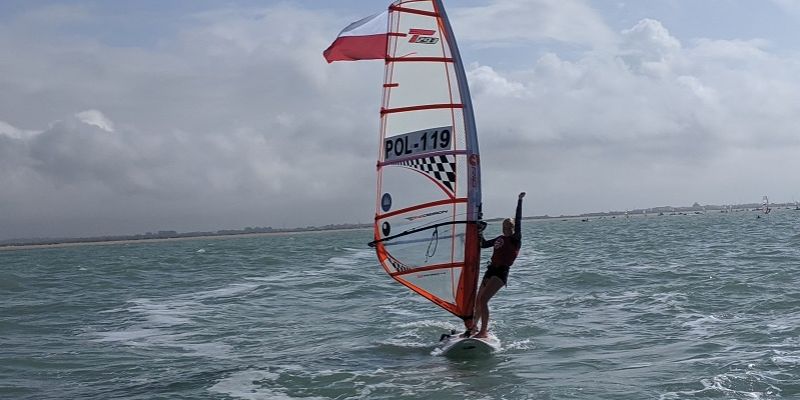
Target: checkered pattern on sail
<point x="398" y="266"/>
<point x="441" y="168"/>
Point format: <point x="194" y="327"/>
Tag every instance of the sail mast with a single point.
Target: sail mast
<point x="474" y="173"/>
<point x="469" y="278"/>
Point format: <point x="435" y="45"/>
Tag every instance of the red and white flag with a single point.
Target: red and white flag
<point x="364" y="39"/>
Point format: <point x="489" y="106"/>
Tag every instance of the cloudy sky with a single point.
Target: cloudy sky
<point x="128" y="117"/>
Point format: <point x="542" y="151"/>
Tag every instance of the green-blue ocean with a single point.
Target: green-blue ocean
<point x="649" y="307"/>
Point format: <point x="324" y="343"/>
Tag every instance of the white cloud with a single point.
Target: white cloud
<point x="231" y="123"/>
<point x="485" y="81"/>
<point x="519" y="21"/>
<point x="50" y="15"/>
<point x="13" y="132"/>
<point x="792" y="6"/>
<point x="95" y="118"/>
<point x="652" y="121"/>
<point x="649" y="47"/>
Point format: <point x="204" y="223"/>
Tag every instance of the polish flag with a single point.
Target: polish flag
<point x="362" y="40"/>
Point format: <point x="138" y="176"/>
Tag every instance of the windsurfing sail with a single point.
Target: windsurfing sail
<point x="765" y="205"/>
<point x="428" y="172"/>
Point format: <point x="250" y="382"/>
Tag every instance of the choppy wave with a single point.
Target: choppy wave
<point x="690" y="307"/>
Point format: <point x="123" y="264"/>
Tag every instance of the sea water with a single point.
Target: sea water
<point x="648" y="307"/>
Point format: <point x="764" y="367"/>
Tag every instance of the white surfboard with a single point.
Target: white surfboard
<point x="456" y="346"/>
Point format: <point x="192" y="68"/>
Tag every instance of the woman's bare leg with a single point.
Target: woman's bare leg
<point x="489" y="289"/>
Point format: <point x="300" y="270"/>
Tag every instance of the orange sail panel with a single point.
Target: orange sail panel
<point x="429" y="195"/>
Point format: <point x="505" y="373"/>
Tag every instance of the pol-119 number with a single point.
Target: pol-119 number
<point x="425" y="141"/>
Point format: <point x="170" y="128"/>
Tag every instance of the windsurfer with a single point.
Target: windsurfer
<point x="506" y="247"/>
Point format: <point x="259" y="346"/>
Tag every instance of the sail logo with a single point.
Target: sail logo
<point x="422" y="36"/>
<point x="430" y="214"/>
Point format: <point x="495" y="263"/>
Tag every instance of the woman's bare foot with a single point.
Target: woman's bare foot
<point x="481" y="335"/>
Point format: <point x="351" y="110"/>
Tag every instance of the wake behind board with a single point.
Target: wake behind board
<point x="465" y="347"/>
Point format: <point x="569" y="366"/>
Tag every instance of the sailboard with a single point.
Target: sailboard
<point x="428" y="203"/>
<point x="468" y="347"/>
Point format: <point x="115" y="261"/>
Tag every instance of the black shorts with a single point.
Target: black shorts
<point x="500" y="272"/>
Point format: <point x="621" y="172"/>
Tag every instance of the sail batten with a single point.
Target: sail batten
<point x="420" y="107"/>
<point x="424" y="269"/>
<point x="420" y="59"/>
<point x="428" y="169"/>
<point x="421" y="206"/>
<point x="412" y="11"/>
<point x="401" y="160"/>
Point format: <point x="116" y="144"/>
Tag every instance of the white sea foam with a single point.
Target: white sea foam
<point x="428" y="323"/>
<point x="199" y="347"/>
<point x="164" y="319"/>
<point x="703" y="325"/>
<point x="786" y="358"/>
<point x="169" y="313"/>
<point x="354" y="257"/>
<point x="113" y="310"/>
<point x="360" y="252"/>
<point x="525" y="344"/>
<point x="139" y="336"/>
<point x="254" y="385"/>
<point x="273" y="278"/>
<point x="419" y="334"/>
<point x="152" y="337"/>
<point x="402" y="312"/>
<point x="408" y="339"/>
<point x="342" y="261"/>
<point x="130" y="337"/>
<point x="779" y="328"/>
<point x="227" y="291"/>
<point x="724" y="385"/>
<point x="404" y="343"/>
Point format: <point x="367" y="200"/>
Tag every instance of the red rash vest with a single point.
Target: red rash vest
<point x="506" y="248"/>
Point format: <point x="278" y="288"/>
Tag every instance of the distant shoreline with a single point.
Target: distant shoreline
<point x="168" y="236"/>
<point x="110" y="242"/>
